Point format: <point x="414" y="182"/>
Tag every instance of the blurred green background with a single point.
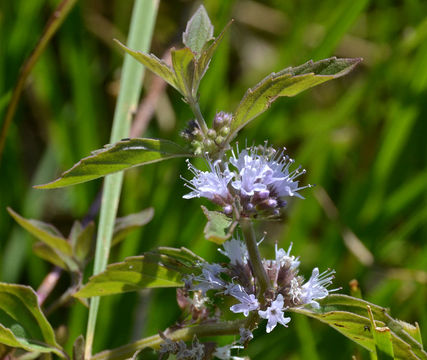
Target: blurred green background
<point x="362" y="139"/>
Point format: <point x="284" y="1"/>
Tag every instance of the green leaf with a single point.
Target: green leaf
<point x="82" y="240"/>
<point x="22" y="324"/>
<point x="219" y="227"/>
<point x="46" y="233"/>
<point x="382" y="339"/>
<point x="183" y="65"/>
<point x="349" y="316"/>
<point x="198" y="32"/>
<point x="203" y="61"/>
<point x="122" y="155"/>
<point x="47" y="253"/>
<point x="150" y="270"/>
<point x="183" y="255"/>
<point x="79" y="348"/>
<point x="156" y="65"/>
<point x="288" y="82"/>
<point x="125" y="225"/>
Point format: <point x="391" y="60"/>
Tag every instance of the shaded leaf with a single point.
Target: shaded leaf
<point x="156" y="65"/>
<point x="46" y="233"/>
<point x="79" y="348"/>
<point x="22" y="324"/>
<point x="82" y="242"/>
<point x="122" y="155"/>
<point x="126" y="224"/>
<point x="183" y="255"/>
<point x="349" y="316"/>
<point x="219" y="227"/>
<point x="47" y="253"/>
<point x="203" y="61"/>
<point x="288" y="82"/>
<point x="183" y="65"/>
<point x="135" y="273"/>
<point x="198" y="32"/>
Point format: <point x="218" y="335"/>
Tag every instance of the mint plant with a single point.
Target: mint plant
<point x="244" y="185"/>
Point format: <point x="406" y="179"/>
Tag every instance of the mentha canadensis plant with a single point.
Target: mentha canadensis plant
<point x="243" y="185"/>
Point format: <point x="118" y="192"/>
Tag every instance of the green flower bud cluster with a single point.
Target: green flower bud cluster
<point x="214" y="138"/>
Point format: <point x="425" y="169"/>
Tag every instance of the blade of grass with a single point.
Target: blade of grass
<point x="141" y="28"/>
<point x="52" y="26"/>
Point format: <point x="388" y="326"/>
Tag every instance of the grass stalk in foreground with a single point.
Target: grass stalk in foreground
<point x="55" y="21"/>
<point x="140" y="32"/>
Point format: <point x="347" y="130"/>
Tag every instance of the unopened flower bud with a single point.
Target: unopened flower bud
<point x="225" y="130"/>
<point x="271" y="203"/>
<point x="228" y="209"/>
<point x="208" y="144"/>
<point x="222" y="119"/>
<point x="219" y="140"/>
<point x="212" y="133"/>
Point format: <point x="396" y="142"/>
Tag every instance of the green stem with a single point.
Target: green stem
<point x="194" y="105"/>
<point x="185" y="334"/>
<point x="254" y="256"/>
<point x="141" y="28"/>
<point x="54" y="22"/>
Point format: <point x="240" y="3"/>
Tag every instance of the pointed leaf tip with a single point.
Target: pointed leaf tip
<point x="288" y="82"/>
<point x="120" y="156"/>
<point x="199" y="31"/>
<point x="25" y="326"/>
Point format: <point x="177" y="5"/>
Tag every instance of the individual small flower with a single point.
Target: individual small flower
<point x="208" y="279"/>
<point x="222" y="119"/>
<point x="284" y="257"/>
<point x="224" y="352"/>
<point x="236" y="251"/>
<point x="316" y="287"/>
<point x="274" y="314"/>
<point x="265" y="174"/>
<point x="210" y="184"/>
<point x="245" y="335"/>
<point x="248" y="302"/>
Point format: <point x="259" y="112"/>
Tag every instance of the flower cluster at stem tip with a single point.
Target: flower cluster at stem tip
<point x="256" y="181"/>
<point x="287" y="289"/>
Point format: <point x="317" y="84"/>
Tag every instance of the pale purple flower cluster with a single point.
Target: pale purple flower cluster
<point x="287" y="287"/>
<point x="257" y="181"/>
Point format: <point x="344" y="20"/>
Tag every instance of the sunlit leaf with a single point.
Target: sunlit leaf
<point x="22" y="324"/>
<point x="44" y="232"/>
<point x="150" y="270"/>
<point x="183" y="65"/>
<point x="156" y="65"/>
<point x="126" y="224"/>
<point x="219" y="227"/>
<point x="198" y="32"/>
<point x="288" y="82"/>
<point x="349" y="316"/>
<point x="122" y="155"/>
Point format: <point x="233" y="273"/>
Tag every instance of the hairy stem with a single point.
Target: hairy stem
<point x="185" y="334"/>
<point x="254" y="256"/>
<point x="194" y="105"/>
